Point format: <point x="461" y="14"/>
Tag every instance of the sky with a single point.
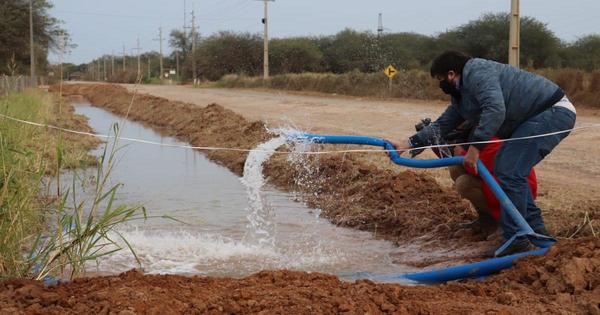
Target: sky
<point x="104" y="27"/>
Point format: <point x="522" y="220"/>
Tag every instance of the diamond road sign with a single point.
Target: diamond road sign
<point x="390" y="71"/>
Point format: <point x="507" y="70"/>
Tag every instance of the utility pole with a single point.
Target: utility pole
<point x="149" y="72"/>
<point x="177" y="62"/>
<point x="184" y="36"/>
<point x="160" y="39"/>
<point x="98" y="72"/>
<point x="112" y="64"/>
<point x="31" y="48"/>
<point x="380" y="25"/>
<point x="265" y="21"/>
<point x="184" y="18"/>
<point x="515" y="34"/>
<point x="194" y="74"/>
<point x="139" y="65"/>
<point x="104" y="67"/>
<point x="124" y="55"/>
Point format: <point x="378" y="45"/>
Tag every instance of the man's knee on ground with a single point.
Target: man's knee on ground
<point x="466" y="184"/>
<point x="469" y="187"/>
<point x="457" y="171"/>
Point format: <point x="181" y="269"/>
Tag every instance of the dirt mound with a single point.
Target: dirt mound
<point x="350" y="190"/>
<point x="399" y="205"/>
<point x="564" y="281"/>
<point x="571" y="269"/>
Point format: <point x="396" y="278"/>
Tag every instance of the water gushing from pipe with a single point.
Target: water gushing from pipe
<point x="260" y="213"/>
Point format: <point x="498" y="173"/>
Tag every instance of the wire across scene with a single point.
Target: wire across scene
<point x="299" y="138"/>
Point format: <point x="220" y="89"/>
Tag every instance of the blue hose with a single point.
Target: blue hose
<point x="479" y="269"/>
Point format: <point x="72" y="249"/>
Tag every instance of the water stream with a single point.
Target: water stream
<point x="233" y="227"/>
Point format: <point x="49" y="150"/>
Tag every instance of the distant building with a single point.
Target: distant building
<point x="75" y="76"/>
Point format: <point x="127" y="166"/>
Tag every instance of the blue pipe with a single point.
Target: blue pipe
<point x="473" y="270"/>
<point x="479" y="269"/>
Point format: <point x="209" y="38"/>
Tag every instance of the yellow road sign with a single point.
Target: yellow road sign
<point x="390" y="71"/>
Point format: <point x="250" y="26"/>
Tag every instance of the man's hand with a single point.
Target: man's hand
<point x="401" y="147"/>
<point x="471" y="158"/>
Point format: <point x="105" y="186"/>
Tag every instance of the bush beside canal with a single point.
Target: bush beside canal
<point x="28" y="155"/>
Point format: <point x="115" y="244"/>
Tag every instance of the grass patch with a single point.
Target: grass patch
<point x="45" y="235"/>
<point x="407" y="84"/>
<point x="582" y="87"/>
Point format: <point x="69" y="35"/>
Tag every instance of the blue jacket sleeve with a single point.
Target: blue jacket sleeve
<point x="484" y="83"/>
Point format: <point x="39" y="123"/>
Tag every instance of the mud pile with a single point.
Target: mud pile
<point x="567" y="280"/>
<point x="396" y="205"/>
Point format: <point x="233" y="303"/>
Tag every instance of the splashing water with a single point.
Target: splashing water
<point x="260" y="217"/>
<point x="219" y="237"/>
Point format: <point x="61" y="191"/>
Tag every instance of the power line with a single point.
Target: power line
<point x="296" y="137"/>
<point x="124" y="57"/>
<point x="160" y="39"/>
<point x="138" y="50"/>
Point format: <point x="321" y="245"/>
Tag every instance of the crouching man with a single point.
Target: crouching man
<point x="505" y="102"/>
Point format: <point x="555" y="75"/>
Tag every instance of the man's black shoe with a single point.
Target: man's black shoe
<point x="481" y="225"/>
<point x="518" y="246"/>
<point x="542" y="230"/>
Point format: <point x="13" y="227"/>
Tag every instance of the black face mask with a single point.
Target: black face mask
<point x="449" y="89"/>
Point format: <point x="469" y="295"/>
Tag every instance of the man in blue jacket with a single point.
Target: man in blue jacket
<point x="502" y="101"/>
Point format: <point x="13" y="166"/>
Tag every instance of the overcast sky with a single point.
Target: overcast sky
<point x="104" y="26"/>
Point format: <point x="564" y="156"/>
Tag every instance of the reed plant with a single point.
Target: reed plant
<point x="86" y="228"/>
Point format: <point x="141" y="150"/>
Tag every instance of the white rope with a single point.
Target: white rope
<point x="286" y="152"/>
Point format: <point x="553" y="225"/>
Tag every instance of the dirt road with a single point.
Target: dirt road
<point x="569" y="177"/>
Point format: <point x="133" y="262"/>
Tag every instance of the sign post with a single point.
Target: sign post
<point x="390" y="72"/>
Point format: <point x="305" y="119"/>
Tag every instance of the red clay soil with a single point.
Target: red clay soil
<point x="564" y="281"/>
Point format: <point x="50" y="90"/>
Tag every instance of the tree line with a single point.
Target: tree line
<point x="350" y="50"/>
<point x="241" y="53"/>
<point x="14" y="36"/>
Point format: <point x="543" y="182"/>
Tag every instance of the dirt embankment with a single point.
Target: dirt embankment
<point x="564" y="281"/>
<point x="350" y="190"/>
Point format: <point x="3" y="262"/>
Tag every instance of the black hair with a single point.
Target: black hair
<point x="449" y="61"/>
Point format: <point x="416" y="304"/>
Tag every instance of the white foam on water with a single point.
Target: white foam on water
<point x="186" y="252"/>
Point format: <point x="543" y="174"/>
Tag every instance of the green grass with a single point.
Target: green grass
<point x="52" y="235"/>
<point x="21" y="171"/>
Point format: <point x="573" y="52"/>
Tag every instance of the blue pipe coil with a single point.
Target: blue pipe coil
<point x="478" y="269"/>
